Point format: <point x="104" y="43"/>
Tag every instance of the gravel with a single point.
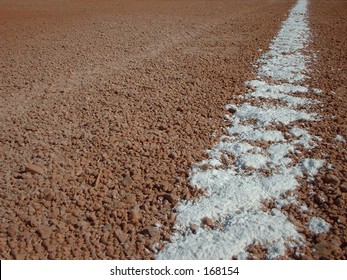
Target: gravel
<point x="104" y="110"/>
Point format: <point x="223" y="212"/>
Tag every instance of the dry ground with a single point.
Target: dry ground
<point x="105" y="104"/>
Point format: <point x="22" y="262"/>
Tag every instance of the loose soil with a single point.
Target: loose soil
<point x="104" y="106"/>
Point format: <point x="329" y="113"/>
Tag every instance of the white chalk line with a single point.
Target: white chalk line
<point x="236" y="191"/>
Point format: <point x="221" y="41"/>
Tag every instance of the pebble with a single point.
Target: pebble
<point x="339" y="201"/>
<point x="172" y="198"/>
<point x="193" y="228"/>
<point x="318" y="199"/>
<point x="91" y="217"/>
<point x="167" y="187"/>
<point x="106" y="228"/>
<point x="232" y="110"/>
<point x="192" y="81"/>
<point x="130" y="198"/>
<point x="153" y="232"/>
<point x="114" y="214"/>
<point x="331" y="179"/>
<point x="127" y="181"/>
<point x="343" y="187"/>
<point x="43" y="232"/>
<point x="34" y="168"/>
<point x="11" y="231"/>
<point x="207" y="221"/>
<point x="167" y="237"/>
<point x="325" y="248"/>
<point x="121" y="236"/>
<point x="172" y="155"/>
<point x="135" y="214"/>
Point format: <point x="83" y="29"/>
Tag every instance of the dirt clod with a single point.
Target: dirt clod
<point x="135" y="214"/>
<point x="193" y="228"/>
<point x="331" y="179"/>
<point x="207" y="221"/>
<point x="34" y="168"/>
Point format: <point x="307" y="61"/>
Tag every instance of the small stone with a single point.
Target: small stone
<point x="207" y="221"/>
<point x="44" y="233"/>
<point x="167" y="237"/>
<point x="325" y="248"/>
<point x="18" y="255"/>
<point x="127" y="181"/>
<point x="135" y="214"/>
<point x="11" y="231"/>
<point x="32" y="221"/>
<point x="49" y="195"/>
<point x="172" y="155"/>
<point x="105" y="237"/>
<point x="342" y="219"/>
<point x="138" y="177"/>
<point x="49" y="246"/>
<point x="192" y="81"/>
<point x="34" y="168"/>
<point x="165" y="186"/>
<point x="81" y="203"/>
<point x="331" y="179"/>
<point x="170" y="197"/>
<point x="121" y="236"/>
<point x="343" y="187"/>
<point x="106" y="227"/>
<point x="231" y="110"/>
<point x="153" y="232"/>
<point x="339" y="201"/>
<point x="318" y="199"/>
<point x="162" y="127"/>
<point x="114" y="214"/>
<point x="193" y="228"/>
<point x="91" y="217"/>
<point x="130" y="198"/>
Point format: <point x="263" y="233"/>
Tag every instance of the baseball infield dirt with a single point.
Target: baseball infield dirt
<point x="105" y="105"/>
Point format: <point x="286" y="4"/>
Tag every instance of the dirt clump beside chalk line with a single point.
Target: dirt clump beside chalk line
<point x="103" y="109"/>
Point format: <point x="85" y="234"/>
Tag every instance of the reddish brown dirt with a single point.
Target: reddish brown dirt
<point x="328" y="24"/>
<point x="326" y="196"/>
<point x="105" y="104"/>
<point x="110" y="101"/>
